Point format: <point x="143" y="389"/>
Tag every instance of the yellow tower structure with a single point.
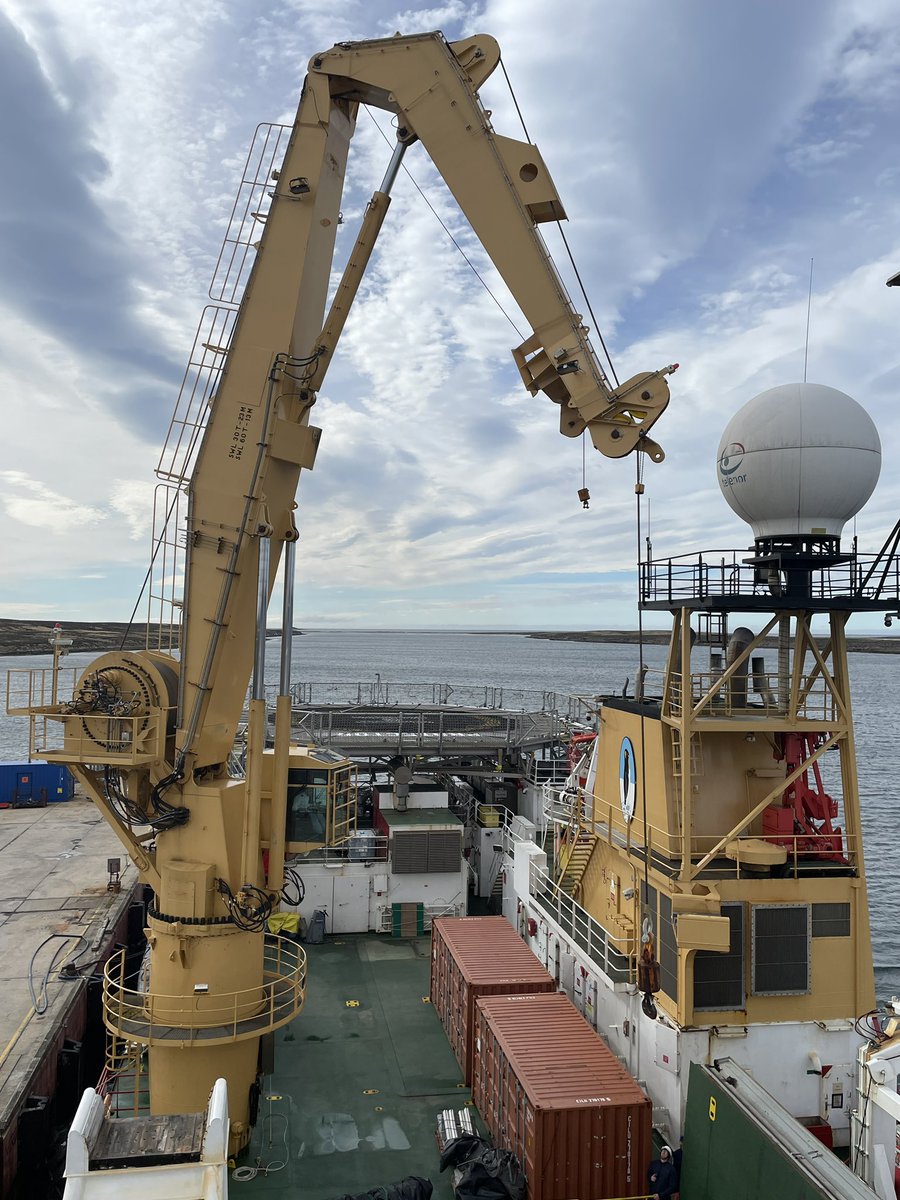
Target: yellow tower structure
<point x="718" y="840"/>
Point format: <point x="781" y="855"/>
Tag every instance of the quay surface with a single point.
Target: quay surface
<point x="53" y="880"/>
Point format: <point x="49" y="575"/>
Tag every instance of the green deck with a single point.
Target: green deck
<point x="358" y="1085"/>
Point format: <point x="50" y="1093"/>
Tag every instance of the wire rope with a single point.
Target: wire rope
<point x="443" y="226"/>
<point x="596" y="327"/>
<point x="245" y="1174"/>
<point x="515" y="100"/>
<point x="638" y="493"/>
<point x="40" y="1001"/>
<point x="563" y="236"/>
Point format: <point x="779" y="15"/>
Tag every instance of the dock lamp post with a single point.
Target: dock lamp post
<point x="61" y="646"/>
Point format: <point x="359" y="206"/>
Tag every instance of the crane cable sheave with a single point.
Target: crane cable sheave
<point x="617" y="419"/>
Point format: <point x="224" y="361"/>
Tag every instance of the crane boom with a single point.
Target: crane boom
<point x="149" y="734"/>
<point x="259" y="439"/>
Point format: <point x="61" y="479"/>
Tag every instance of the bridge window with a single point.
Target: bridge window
<point x="307" y="806"/>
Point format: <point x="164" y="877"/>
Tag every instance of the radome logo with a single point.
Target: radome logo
<point x="732" y="457"/>
<point x="730" y="463"/>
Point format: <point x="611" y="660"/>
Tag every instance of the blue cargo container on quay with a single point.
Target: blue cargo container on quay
<point x="34" y="784"/>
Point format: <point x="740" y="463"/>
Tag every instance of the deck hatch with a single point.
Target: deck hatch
<point x="719" y="978"/>
<point x="781" y="958"/>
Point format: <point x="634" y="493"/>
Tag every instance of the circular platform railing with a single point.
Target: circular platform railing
<point x="151" y="1017"/>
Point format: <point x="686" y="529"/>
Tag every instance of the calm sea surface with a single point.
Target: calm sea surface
<point x="511" y="661"/>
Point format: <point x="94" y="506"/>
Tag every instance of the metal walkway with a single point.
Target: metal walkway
<point x="386" y="720"/>
<point x="440" y="732"/>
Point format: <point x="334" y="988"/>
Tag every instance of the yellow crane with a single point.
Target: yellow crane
<point x="148" y="734"/>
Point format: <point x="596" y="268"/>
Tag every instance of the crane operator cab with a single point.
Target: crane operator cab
<point x="321" y="798"/>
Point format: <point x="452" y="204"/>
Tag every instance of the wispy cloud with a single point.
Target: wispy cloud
<point x="704" y="154"/>
<point x="36" y="504"/>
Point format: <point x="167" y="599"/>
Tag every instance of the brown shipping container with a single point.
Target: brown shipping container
<point x="473" y="957"/>
<point x="550" y="1090"/>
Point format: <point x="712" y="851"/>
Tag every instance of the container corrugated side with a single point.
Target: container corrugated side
<point x="550" y="1090"/>
<point x="46" y="783"/>
<point x="473" y="957"/>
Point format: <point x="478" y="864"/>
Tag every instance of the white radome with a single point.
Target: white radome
<point x="799" y="460"/>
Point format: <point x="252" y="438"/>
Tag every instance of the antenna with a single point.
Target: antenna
<point x="808" y="307"/>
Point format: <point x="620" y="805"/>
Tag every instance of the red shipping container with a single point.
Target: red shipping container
<point x="473" y="957"/>
<point x="550" y="1090"/>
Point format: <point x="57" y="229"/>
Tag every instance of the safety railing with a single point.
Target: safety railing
<point x="125" y="1080"/>
<point x="736" y="855"/>
<point x="363" y="845"/>
<point x="491" y="816"/>
<point x="544" y="771"/>
<point x="382" y="693"/>
<point x="28" y="688"/>
<point x="430" y="912"/>
<point x="758" y="696"/>
<point x="724" y="574"/>
<point x="206" y="1018"/>
<point x="165" y="585"/>
<point x="561" y="805"/>
<point x="804" y="854"/>
<point x="576" y="923"/>
<point x="437" y="731"/>
<point x="249" y="211"/>
<point x="58" y="734"/>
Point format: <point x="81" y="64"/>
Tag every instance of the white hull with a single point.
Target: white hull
<point x="809" y="1066"/>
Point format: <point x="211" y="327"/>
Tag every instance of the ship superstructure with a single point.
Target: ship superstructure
<point x="708" y="896"/>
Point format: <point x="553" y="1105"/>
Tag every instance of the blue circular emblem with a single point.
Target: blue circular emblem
<point x="627" y="778"/>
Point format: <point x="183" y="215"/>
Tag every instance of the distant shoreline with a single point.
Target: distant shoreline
<point x="33" y="637"/>
<point x="659" y="637"/>
<point x="19" y="637"/>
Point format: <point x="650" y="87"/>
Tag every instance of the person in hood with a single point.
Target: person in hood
<point x="661" y="1176"/>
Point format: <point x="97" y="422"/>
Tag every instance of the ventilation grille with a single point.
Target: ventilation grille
<point x="426" y="851"/>
<point x="719" y="978"/>
<point x="781" y="935"/>
<point x="668" y="949"/>
<point x="831" y="920"/>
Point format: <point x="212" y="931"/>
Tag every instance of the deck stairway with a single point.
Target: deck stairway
<point x="576" y="864"/>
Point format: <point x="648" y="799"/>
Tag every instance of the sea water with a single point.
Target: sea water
<point x="471" y="661"/>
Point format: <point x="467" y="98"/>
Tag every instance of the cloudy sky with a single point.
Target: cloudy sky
<point x="705" y="152"/>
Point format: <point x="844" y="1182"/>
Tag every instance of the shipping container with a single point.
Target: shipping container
<point x="473" y="957"/>
<point x="549" y="1089"/>
<point x="34" y="784"/>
